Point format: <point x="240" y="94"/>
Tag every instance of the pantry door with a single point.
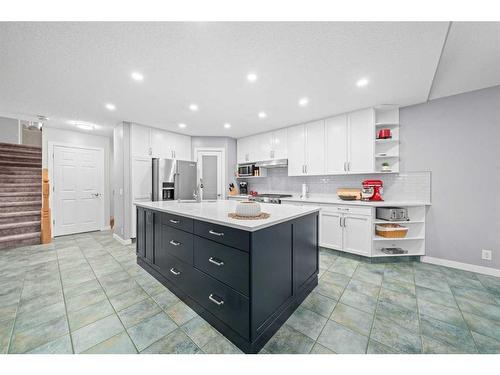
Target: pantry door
<point x="77" y="189"/>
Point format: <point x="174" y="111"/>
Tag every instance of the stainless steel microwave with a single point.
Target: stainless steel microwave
<point x="245" y="170"/>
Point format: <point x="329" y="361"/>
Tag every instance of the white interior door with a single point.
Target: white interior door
<point x="78" y="195"/>
<point x="211" y="170"/>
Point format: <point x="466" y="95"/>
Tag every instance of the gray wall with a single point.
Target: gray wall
<point x="458" y="139"/>
<point x="9" y="130"/>
<point x="229" y="144"/>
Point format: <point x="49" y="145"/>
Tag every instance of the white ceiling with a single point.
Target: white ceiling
<point x="471" y="59"/>
<point x="68" y="71"/>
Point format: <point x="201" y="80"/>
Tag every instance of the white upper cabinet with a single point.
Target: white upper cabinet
<point x="296" y="145"/>
<point x="336" y="144"/>
<point x="140" y="141"/>
<point x="306" y="149"/>
<point x="181" y="146"/>
<point x="315" y="148"/>
<point x="361" y="141"/>
<point x="261" y="147"/>
<point x="160" y="144"/>
<point x="279" y="144"/>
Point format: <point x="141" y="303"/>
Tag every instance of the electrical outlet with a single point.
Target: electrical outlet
<point x="486" y="254"/>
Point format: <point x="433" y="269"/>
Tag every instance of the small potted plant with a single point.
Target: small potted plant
<point x="385" y="167"/>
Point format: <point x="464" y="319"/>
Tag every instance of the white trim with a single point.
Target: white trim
<point x="461" y="266"/>
<point x="50" y="167"/>
<point x="222" y="150"/>
<point x="121" y="240"/>
<point x="106" y="228"/>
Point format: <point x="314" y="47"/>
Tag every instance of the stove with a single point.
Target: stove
<point x="270" y="198"/>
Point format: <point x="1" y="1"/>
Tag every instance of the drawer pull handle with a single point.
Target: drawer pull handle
<point x="220" y="234"/>
<point x="175" y="243"/>
<point x="216" y="261"/>
<point x="174" y="221"/>
<point x="176" y="273"/>
<point x="212" y="298"/>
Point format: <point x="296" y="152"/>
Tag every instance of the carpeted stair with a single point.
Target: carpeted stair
<point x="20" y="195"/>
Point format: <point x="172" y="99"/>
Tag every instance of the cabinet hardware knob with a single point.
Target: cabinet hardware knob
<point x="175" y="243"/>
<point x="174" y="221"/>
<point x="176" y="273"/>
<point x="220" y="234"/>
<point x="216" y="261"/>
<point x="212" y="298"/>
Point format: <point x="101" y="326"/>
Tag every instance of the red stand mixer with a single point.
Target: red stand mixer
<point x="372" y="190"/>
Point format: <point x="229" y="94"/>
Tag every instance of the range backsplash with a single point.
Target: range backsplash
<point x="413" y="186"/>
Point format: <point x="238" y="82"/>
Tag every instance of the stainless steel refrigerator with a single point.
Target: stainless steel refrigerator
<point x="174" y="179"/>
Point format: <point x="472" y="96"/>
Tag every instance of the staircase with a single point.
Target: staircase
<point x="20" y="195"/>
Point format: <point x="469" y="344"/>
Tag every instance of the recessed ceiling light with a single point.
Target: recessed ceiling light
<point x="85" y="127"/>
<point x="362" y="82"/>
<point x="110" y="106"/>
<point x="227" y="125"/>
<point x="303" y="102"/>
<point x="136" y="76"/>
<point x="182" y="125"/>
<point x="262" y="115"/>
<point x="252" y="77"/>
<point x="193" y="107"/>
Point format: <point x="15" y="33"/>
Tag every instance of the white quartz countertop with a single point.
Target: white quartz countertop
<point x="335" y="200"/>
<point x="217" y="212"/>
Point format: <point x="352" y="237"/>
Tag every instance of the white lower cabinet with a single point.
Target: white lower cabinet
<point x="357" y="234"/>
<point x="346" y="229"/>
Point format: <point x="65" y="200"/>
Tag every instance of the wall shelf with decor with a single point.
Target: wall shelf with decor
<point x="386" y="139"/>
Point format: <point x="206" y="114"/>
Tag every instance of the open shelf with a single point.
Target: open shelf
<point x="380" y="238"/>
<point x="386" y="156"/>
<point x="386" y="124"/>
<point x="387" y="140"/>
<point x="378" y="253"/>
<point x="398" y="222"/>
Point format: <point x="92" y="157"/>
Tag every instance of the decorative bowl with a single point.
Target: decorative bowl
<point x="248" y="208"/>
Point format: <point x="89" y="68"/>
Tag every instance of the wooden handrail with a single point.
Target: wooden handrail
<point x="46" y="222"/>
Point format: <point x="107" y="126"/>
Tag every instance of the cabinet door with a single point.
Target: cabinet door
<point x="296" y="141"/>
<point x="161" y="144"/>
<point x="279" y="144"/>
<point x="315" y="148"/>
<point x="330" y="230"/>
<point x="141" y="232"/>
<point x="140" y="140"/>
<point x="361" y="141"/>
<point x="357" y="234"/>
<point x="182" y="146"/>
<point x="262" y="147"/>
<point x="149" y="237"/>
<point x="242" y="150"/>
<point x="336" y="144"/>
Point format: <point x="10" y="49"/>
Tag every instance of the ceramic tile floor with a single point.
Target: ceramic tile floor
<point x="85" y="294"/>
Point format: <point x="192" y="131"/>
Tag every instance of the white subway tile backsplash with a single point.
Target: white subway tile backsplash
<point x="403" y="186"/>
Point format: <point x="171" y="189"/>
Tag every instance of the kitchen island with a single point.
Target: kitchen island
<point x="245" y="277"/>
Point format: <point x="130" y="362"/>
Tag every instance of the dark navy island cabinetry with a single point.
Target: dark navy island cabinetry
<point x="244" y="283"/>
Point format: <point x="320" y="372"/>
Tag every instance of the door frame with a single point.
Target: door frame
<point x="50" y="167"/>
<point x="200" y="151"/>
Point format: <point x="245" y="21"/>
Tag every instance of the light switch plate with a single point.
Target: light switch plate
<point x="486" y="254"/>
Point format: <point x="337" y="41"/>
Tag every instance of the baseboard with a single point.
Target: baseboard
<point x="121" y="240"/>
<point x="461" y="266"/>
<point x="106" y="228"/>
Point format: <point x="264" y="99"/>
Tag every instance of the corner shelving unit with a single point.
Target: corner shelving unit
<point x="387" y="150"/>
<point x="414" y="242"/>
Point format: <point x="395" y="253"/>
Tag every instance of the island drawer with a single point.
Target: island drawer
<point x="177" y="243"/>
<point x="178" y="272"/>
<point x="226" y="264"/>
<point x="225" y="303"/>
<point x="179" y="222"/>
<point x="237" y="238"/>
